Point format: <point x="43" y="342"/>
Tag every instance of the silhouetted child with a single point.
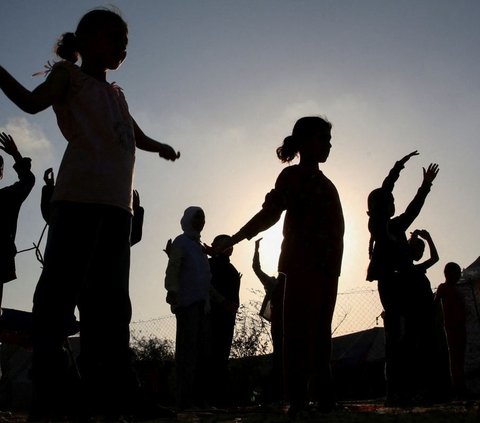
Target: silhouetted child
<point x="187" y="281"/>
<point x="454" y="315"/>
<point x="424" y="342"/>
<point x="87" y="257"/>
<point x="270" y="284"/>
<point x="11" y="199"/>
<point x="391" y="265"/>
<point x="311" y="257"/>
<point x="420" y="312"/>
<point x="225" y="300"/>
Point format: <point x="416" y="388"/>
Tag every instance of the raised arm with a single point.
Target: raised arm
<point x="148" y="144"/>
<point x="422" y="233"/>
<point x="415" y="206"/>
<point x="265" y="279"/>
<point x="42" y="97"/>
<point x="394" y="173"/>
<point x="26" y="179"/>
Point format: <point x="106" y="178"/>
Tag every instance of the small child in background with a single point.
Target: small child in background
<point x="225" y="300"/>
<point x="454" y="316"/>
<point x="426" y="351"/>
<point x="274" y="314"/>
<point x="187" y="281"/>
<point x="11" y="199"/>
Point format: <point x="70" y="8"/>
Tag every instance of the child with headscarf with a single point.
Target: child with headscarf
<point x="187" y="281"/>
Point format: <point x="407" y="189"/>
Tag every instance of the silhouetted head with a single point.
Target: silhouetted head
<point x="381" y="203"/>
<point x="217" y="241"/>
<point x="310" y="139"/>
<point x="417" y="247"/>
<point x="452" y="273"/>
<point x="1" y="167"/>
<point x="193" y="221"/>
<point x="101" y="36"/>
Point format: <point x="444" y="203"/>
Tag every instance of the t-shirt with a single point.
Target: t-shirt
<point x="98" y="164"/>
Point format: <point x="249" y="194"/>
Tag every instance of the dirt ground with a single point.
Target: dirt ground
<point x="347" y="412"/>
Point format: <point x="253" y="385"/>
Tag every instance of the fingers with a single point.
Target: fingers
<point x="169" y="153"/>
<point x="48" y="176"/>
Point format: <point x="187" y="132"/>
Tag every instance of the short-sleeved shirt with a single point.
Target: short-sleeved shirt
<point x="98" y="164"/>
<point x="313" y="227"/>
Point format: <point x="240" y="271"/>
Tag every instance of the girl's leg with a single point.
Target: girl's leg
<point x="67" y="257"/>
<point x="105" y="313"/>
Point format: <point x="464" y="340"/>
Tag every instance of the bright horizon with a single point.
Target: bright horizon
<point x="224" y="81"/>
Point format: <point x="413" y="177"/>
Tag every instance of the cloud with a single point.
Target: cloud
<point x="30" y="139"/>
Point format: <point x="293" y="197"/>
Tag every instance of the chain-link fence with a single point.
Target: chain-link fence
<point x="355" y="311"/>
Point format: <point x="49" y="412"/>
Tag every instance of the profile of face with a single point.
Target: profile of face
<point x="198" y="221"/>
<point x="317" y="146"/>
<point x="108" y="45"/>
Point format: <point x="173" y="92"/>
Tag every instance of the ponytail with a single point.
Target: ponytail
<point x="304" y="127"/>
<point x="67" y="47"/>
<point x="289" y="149"/>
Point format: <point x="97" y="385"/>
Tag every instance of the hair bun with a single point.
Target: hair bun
<point x="67" y="47"/>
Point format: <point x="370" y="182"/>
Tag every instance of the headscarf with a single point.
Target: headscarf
<point x="186" y="222"/>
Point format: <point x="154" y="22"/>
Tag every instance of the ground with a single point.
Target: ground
<point x="348" y="412"/>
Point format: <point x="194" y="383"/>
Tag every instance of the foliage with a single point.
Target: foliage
<point x="153" y="350"/>
<point x="252" y="332"/>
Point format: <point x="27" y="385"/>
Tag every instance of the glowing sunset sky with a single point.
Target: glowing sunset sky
<point x="223" y="81"/>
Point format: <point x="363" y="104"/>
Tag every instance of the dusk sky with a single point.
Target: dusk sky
<point x="223" y="82"/>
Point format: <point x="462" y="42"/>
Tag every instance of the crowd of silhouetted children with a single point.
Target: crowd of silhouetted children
<point x="94" y="217"/>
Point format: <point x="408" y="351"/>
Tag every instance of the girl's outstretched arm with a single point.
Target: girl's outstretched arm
<point x="41" y="97"/>
<point x="422" y="233"/>
<point x="394" y="173"/>
<point x="146" y="143"/>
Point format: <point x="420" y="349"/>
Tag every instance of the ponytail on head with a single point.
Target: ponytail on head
<point x="67" y="47"/>
<point x="288" y="150"/>
<point x="304" y="127"/>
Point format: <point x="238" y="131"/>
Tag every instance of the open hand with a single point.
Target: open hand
<point x="8" y="145"/>
<point x="430" y="173"/>
<point x="168" y="247"/>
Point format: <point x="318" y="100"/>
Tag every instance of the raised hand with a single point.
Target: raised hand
<point x="168" y="247"/>
<point x="430" y="173"/>
<point x="8" y="145"/>
<point x="135" y="199"/>
<point x="48" y="177"/>
<point x="405" y="159"/>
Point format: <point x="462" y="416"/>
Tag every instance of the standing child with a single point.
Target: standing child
<point x="87" y="257"/>
<point x="311" y="257"/>
<point x="225" y="300"/>
<point x="11" y="199"/>
<point x="187" y="281"/>
<point x="391" y="264"/>
<point x="424" y="341"/>
<point x="454" y="316"/>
